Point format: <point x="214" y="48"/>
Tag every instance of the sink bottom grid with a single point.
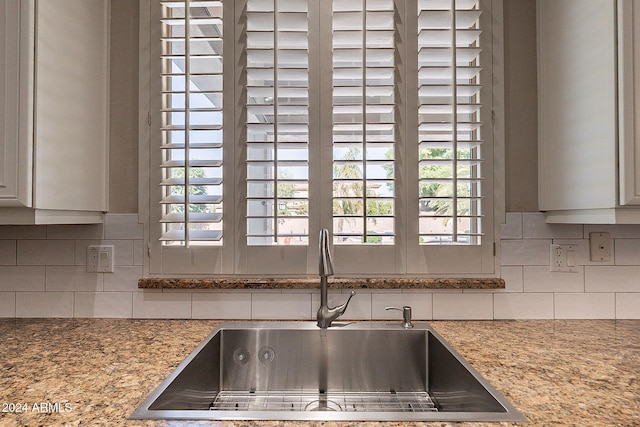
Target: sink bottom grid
<point x="330" y="401"/>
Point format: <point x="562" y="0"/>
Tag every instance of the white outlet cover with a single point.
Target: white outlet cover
<point x="562" y="258"/>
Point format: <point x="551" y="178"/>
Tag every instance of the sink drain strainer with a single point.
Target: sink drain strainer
<point x="323" y="405"/>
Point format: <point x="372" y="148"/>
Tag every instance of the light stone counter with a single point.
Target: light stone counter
<point x="564" y="373"/>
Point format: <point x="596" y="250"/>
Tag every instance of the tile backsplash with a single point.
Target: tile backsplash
<point x="43" y="274"/>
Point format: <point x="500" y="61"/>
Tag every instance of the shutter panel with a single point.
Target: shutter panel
<point x="277" y="123"/>
<point x="364" y="121"/>
<point x="191" y="129"/>
<point x="450" y="162"/>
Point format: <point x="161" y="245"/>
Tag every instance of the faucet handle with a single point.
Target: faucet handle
<point x="406" y="315"/>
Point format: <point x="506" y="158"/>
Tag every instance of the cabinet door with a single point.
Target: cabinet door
<point x="14" y="165"/>
<point x="577" y="103"/>
<point x="71" y="105"/>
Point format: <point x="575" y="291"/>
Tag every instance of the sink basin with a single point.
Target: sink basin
<point x="349" y="372"/>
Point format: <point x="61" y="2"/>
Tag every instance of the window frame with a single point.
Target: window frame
<point x="398" y="260"/>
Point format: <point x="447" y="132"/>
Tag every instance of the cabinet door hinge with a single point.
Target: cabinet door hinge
<point x="149" y="250"/>
<point x="149" y="118"/>
<point x="493" y="117"/>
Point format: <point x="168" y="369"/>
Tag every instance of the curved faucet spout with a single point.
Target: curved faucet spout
<point x="326" y="262"/>
<point x="327" y="315"/>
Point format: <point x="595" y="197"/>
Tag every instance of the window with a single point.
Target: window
<point x="272" y="119"/>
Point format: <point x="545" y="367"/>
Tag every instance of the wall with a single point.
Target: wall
<point x="521" y="112"/>
<point x="123" y="158"/>
<point x="42" y="274"/>
<point x="42" y="269"/>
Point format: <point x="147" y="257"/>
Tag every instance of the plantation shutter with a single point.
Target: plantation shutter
<point x="449" y="120"/>
<point x="191" y="122"/>
<point x="277" y="122"/>
<point x="271" y="119"/>
<point x="364" y="121"/>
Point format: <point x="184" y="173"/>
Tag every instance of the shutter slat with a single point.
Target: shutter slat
<point x="194" y="236"/>
<point x="196" y="218"/>
<point x="193" y="199"/>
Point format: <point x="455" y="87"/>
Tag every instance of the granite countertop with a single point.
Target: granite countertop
<point x="96" y="372"/>
<point x="314" y="282"/>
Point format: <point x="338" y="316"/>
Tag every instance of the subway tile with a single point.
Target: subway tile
<point x="523" y="306"/>
<point x="138" y="252"/>
<point x="540" y="279"/>
<point x="103" y="304"/>
<point x="23" y="232"/>
<point x="123" y="278"/>
<point x="470" y="306"/>
<point x="221" y="305"/>
<point x="421" y="306"/>
<point x="7" y="304"/>
<point x="46" y="252"/>
<point x="44" y="304"/>
<point x="161" y="305"/>
<point x="513" y="278"/>
<point x="628" y="306"/>
<point x="619" y="278"/>
<point x="524" y="252"/>
<point x="512" y="228"/>
<point x="8" y="252"/>
<point x="585" y="306"/>
<point x="626" y="251"/>
<point x="122" y="226"/>
<point x="22" y="278"/>
<point x="81" y="231"/>
<point x="535" y="227"/>
<point x="123" y="251"/>
<point x="281" y="306"/>
<point x="72" y="278"/>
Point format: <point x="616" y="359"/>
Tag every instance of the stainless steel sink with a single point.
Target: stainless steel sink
<point x="349" y="372"/>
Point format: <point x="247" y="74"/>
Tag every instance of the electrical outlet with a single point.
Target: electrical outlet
<point x="562" y="258"/>
<point x="600" y="247"/>
<point x="100" y="258"/>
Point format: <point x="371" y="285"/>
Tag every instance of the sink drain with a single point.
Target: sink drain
<point x="323" y="405"/>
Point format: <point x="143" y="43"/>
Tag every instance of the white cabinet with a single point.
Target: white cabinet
<point x="588" y="141"/>
<point x="54" y="81"/>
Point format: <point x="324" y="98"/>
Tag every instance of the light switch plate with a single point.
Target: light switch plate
<point x="100" y="258"/>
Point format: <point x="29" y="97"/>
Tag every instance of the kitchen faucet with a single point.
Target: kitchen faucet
<point x="327" y="315"/>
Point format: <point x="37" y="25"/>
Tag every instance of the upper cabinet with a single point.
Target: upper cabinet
<point x="54" y="81"/>
<point x="588" y="142"/>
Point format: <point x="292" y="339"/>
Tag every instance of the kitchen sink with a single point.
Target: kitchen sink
<point x="349" y="372"/>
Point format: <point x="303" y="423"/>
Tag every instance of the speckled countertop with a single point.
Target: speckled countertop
<point x="96" y="372"/>
<point x="313" y="283"/>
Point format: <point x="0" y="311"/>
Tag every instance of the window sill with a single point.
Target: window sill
<point x="313" y="283"/>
